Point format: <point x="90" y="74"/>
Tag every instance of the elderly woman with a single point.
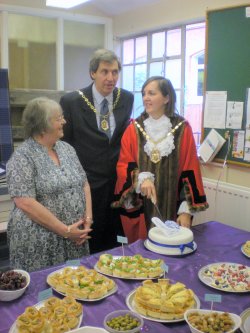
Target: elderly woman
<point x="52" y="214"/>
<point x="158" y="164"/>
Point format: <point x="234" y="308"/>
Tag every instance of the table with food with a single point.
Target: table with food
<point x="190" y="283"/>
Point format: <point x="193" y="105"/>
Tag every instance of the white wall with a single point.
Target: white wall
<point x="166" y="13"/>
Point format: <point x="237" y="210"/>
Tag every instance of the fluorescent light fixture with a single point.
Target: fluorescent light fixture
<point x="64" y="3"/>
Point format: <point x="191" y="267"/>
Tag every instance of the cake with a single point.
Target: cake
<point x="171" y="239"/>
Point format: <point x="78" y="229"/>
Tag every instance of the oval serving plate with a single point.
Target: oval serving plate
<point x="126" y="278"/>
<point x="110" y="292"/>
<point x="245" y="317"/>
<point x="14" y="329"/>
<point x="131" y="305"/>
<point x="89" y="329"/>
<point x="244" y="252"/>
<point x="223" y="276"/>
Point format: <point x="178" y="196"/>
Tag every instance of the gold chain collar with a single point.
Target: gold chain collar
<point x="155" y="155"/>
<point x="94" y="109"/>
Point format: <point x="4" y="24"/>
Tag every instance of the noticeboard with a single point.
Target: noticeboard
<point x="228" y="69"/>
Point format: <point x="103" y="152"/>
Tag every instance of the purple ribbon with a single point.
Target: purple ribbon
<point x="181" y="246"/>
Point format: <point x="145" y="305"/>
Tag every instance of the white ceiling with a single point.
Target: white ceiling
<point x="108" y="7"/>
<point x="116" y="7"/>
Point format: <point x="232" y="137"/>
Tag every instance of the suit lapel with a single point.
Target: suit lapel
<point x="90" y="116"/>
<point x="118" y="114"/>
<point x="87" y="112"/>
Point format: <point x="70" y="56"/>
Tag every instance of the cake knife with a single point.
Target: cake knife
<point x="157" y="208"/>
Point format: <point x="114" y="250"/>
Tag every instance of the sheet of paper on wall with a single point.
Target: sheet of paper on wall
<point x="247" y="146"/>
<point x="211" y="146"/>
<point x="215" y="109"/>
<point x="238" y="144"/>
<point x="248" y="108"/>
<point x="234" y="115"/>
<point x="247" y="11"/>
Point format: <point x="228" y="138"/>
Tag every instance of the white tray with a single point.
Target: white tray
<point x="111" y="292"/>
<point x="89" y="329"/>
<point x="209" y="280"/>
<point x="14" y="329"/>
<point x="245" y="317"/>
<point x="131" y="305"/>
<point x="126" y="278"/>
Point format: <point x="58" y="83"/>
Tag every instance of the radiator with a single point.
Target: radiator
<point x="228" y="204"/>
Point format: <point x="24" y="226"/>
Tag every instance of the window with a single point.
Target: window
<point x="78" y="49"/>
<point x="177" y="54"/>
<point x="50" y="51"/>
<point x="32" y="53"/>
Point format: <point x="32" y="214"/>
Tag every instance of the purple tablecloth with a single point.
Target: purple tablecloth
<point x="215" y="243"/>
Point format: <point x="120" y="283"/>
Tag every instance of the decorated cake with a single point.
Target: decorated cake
<point x="169" y="238"/>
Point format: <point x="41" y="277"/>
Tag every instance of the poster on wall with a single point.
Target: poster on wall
<point x="248" y="109"/>
<point x="238" y="144"/>
<point x="234" y="115"/>
<point x="215" y="109"/>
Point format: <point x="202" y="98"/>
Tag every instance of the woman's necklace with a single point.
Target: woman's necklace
<point x="104" y="122"/>
<point x="155" y="155"/>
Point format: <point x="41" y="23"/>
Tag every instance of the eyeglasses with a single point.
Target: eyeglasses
<point x="59" y="118"/>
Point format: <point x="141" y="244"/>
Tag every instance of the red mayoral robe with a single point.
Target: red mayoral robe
<point x="177" y="178"/>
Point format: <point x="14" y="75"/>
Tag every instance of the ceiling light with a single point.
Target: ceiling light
<point x="64" y="3"/>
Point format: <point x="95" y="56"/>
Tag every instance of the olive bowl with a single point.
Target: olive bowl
<point x="121" y="314"/>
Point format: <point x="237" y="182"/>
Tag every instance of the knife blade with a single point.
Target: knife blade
<point x="157" y="208"/>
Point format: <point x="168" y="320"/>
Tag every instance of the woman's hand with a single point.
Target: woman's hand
<point x="185" y="220"/>
<point x="79" y="236"/>
<point x="148" y="190"/>
<point x="87" y="222"/>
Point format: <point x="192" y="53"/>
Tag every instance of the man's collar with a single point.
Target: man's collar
<point x="99" y="97"/>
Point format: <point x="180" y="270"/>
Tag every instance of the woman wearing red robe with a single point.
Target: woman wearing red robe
<point x="158" y="164"/>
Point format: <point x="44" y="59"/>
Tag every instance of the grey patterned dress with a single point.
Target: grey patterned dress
<point x="32" y="173"/>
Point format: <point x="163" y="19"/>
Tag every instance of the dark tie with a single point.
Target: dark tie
<point x="104" y="118"/>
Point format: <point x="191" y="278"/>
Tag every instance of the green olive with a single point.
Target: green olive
<point x="123" y="323"/>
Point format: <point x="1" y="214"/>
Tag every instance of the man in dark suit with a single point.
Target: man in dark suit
<point x="96" y="118"/>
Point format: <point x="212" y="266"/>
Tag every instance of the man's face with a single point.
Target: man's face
<point x="106" y="77"/>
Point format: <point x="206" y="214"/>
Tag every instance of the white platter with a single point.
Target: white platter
<point x="150" y="248"/>
<point x="131" y="305"/>
<point x="244" y="252"/>
<point x="14" y="329"/>
<point x="111" y="292"/>
<point x="126" y="278"/>
<point x="89" y="329"/>
<point x="245" y="317"/>
<point x="210" y="280"/>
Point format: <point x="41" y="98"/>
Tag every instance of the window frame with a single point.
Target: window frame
<point x="60" y="17"/>
<point x="150" y="60"/>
